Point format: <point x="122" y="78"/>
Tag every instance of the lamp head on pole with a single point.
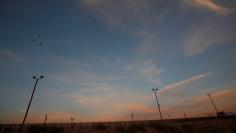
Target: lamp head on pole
<point x="155" y="89"/>
<point x="41" y="77"/>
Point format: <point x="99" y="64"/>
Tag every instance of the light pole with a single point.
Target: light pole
<point x="45" y="120"/>
<point x="26" y="113"/>
<point x="132" y="117"/>
<point x="209" y="95"/>
<point x="185" y="116"/>
<point x="159" y="108"/>
<point x="72" y="122"/>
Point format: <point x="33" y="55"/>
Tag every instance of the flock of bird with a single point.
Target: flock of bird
<point x="37" y="40"/>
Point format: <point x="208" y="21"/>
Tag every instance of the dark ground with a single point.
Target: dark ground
<point x="194" y="125"/>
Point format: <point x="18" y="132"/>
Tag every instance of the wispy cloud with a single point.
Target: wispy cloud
<point x="149" y="41"/>
<point x="147" y="70"/>
<point x="211" y="33"/>
<point x="200" y="105"/>
<point x="108" y="109"/>
<point x="223" y="99"/>
<point x="144" y="18"/>
<point x="80" y="76"/>
<point x="12" y="55"/>
<point x="110" y="99"/>
<point x="99" y="93"/>
<point x="184" y="82"/>
<point x="83" y="74"/>
<point x="106" y="93"/>
<point x="79" y="73"/>
<point x="135" y="17"/>
<point x="212" y="6"/>
<point x="121" y="13"/>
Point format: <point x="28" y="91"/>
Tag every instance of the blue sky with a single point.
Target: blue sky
<point x="101" y="58"/>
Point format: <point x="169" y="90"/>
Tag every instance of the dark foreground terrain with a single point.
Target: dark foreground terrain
<point x="196" y="125"/>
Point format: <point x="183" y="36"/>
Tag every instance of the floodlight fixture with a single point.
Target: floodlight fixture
<point x="26" y="113"/>
<point x="159" y="108"/>
<point x="213" y="103"/>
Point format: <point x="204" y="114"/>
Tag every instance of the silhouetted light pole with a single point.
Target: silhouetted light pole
<point x="45" y="120"/>
<point x="159" y="108"/>
<point x="26" y="113"/>
<point x="185" y="116"/>
<point x="72" y="122"/>
<point x="132" y="116"/>
<point x="209" y="95"/>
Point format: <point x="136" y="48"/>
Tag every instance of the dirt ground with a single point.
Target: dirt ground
<point x="194" y="126"/>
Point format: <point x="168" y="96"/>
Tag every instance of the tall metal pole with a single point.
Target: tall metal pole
<point x="209" y="95"/>
<point x="72" y="122"/>
<point x="159" y="108"/>
<point x="45" y="120"/>
<point x="27" y="110"/>
<point x="132" y="116"/>
<point x="185" y="116"/>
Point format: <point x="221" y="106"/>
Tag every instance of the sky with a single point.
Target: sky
<point x="101" y="58"/>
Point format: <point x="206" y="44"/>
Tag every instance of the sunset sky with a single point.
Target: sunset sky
<point x="101" y="58"/>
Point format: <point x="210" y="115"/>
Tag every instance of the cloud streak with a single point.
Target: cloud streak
<point x="121" y="13"/>
<point x="223" y="98"/>
<point x="212" y="6"/>
<point x="111" y="99"/>
<point x="199" y="105"/>
<point x="147" y="70"/>
<point x="209" y="34"/>
<point x="139" y="18"/>
<point x="183" y="82"/>
<point x="135" y="17"/>
<point x="12" y="55"/>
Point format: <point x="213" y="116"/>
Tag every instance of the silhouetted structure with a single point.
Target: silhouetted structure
<point x="45" y="120"/>
<point x="72" y="122"/>
<point x="132" y="116"/>
<point x="159" y="108"/>
<point x="26" y="113"/>
<point x="217" y="111"/>
<point x="185" y="116"/>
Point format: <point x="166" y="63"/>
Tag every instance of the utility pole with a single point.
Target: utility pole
<point x="159" y="108"/>
<point x="26" y="113"/>
<point x="132" y="117"/>
<point x="45" y="120"/>
<point x="213" y="103"/>
<point x="72" y="122"/>
<point x="185" y="116"/>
